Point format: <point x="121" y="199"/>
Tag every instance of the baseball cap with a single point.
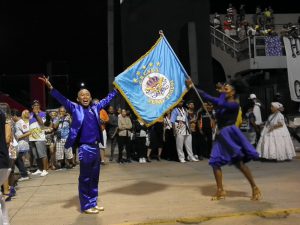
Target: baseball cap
<point x="252" y="96"/>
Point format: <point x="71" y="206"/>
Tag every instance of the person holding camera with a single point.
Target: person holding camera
<point x="37" y="138"/>
<point x="62" y="132"/>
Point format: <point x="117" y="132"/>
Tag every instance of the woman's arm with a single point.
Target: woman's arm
<point x="121" y="124"/>
<point x="128" y="123"/>
<point x="208" y="97"/>
<point x="278" y="123"/>
<point x="221" y="101"/>
<point x="189" y="84"/>
<point x="276" y="126"/>
<point x="8" y="133"/>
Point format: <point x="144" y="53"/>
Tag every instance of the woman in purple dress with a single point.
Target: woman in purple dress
<point x="231" y="146"/>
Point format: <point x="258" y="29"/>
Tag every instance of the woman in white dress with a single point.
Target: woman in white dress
<point x="275" y="142"/>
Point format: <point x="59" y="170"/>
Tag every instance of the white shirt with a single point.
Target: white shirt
<point x="22" y="127"/>
<point x="217" y="23"/>
<point x="257" y="113"/>
<point x="179" y="117"/>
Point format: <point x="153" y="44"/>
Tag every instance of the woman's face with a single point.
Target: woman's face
<point x="62" y="112"/>
<point x="53" y="114"/>
<point x="191" y="105"/>
<point x="229" y="90"/>
<point x="273" y="109"/>
<point x="119" y="110"/>
<point x="111" y="110"/>
<point x="124" y="113"/>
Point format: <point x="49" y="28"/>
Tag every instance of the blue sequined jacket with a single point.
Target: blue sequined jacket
<point x="77" y="113"/>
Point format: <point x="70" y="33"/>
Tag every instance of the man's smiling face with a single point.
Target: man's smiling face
<point x="84" y="97"/>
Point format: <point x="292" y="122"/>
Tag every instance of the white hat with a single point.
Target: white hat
<point x="252" y="96"/>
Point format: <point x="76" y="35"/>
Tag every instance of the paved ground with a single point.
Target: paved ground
<point x="167" y="193"/>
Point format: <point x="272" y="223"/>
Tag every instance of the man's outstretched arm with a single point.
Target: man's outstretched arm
<point x="69" y="105"/>
<point x="104" y="102"/>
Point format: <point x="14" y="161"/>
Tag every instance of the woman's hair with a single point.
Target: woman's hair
<point x="4" y="107"/>
<point x="240" y="85"/>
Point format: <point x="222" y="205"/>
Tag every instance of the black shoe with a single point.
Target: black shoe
<point x="58" y="167"/>
<point x="148" y="160"/>
<point x="158" y="158"/>
<point x="7" y="198"/>
<point x="69" y="167"/>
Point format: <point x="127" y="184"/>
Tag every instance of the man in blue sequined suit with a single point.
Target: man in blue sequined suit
<point x="86" y="132"/>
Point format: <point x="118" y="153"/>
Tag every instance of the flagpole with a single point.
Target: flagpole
<point x="198" y="95"/>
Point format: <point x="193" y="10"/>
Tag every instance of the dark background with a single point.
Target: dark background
<point x="138" y="37"/>
<point x="73" y="36"/>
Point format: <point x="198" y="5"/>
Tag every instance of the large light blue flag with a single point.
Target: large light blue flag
<point x="154" y="84"/>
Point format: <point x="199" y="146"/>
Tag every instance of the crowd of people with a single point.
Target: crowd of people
<point x="237" y="26"/>
<point x="39" y="141"/>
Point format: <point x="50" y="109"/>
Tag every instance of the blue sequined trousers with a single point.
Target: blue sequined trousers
<point x="89" y="157"/>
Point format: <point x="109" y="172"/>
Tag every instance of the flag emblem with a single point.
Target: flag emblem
<point x="156" y="86"/>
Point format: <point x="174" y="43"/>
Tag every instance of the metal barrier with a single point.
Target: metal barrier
<point x="247" y="48"/>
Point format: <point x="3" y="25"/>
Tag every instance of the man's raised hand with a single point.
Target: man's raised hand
<point x="46" y="82"/>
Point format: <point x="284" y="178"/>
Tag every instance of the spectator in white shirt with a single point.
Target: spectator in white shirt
<point x="182" y="133"/>
<point x="22" y="136"/>
<point x="217" y="22"/>
<point x="257" y="114"/>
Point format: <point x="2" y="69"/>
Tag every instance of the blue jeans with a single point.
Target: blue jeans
<point x="20" y="164"/>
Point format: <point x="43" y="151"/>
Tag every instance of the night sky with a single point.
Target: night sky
<point x="73" y="36"/>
